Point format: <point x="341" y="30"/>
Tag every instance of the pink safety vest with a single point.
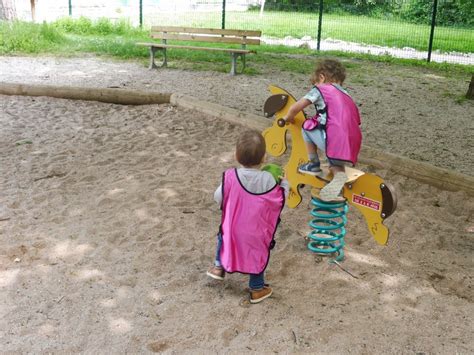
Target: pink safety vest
<point x="248" y="225"/>
<point x="343" y="134"/>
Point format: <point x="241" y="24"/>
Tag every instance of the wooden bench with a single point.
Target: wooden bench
<point x="211" y="35"/>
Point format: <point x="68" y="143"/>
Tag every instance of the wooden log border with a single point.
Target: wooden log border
<point x="111" y="96"/>
<point x="423" y="172"/>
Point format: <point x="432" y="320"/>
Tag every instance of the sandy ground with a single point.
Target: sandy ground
<point x="107" y="224"/>
<point x="408" y="111"/>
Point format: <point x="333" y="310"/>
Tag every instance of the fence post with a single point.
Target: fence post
<point x="141" y="13"/>
<point x="70" y="7"/>
<point x="223" y="14"/>
<point x="320" y="23"/>
<point x="433" y="24"/>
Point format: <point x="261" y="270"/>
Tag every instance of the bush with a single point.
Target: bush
<point x="103" y="26"/>
<point x="19" y="36"/>
<point x="450" y="12"/>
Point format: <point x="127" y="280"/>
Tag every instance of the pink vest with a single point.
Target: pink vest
<point x="343" y="134"/>
<point x="249" y="222"/>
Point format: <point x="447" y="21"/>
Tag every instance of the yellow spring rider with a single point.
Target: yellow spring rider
<point x="373" y="197"/>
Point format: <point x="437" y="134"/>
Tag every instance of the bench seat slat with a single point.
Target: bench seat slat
<point x="230" y="50"/>
<point x="200" y="38"/>
<point x="214" y="31"/>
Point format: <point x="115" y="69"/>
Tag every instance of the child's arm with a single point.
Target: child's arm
<point x="218" y="194"/>
<point x="295" y="108"/>
<point x="286" y="186"/>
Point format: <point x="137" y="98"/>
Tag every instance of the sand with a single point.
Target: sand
<point x="107" y="224"/>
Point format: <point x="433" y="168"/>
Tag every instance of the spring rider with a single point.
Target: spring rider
<point x="368" y="193"/>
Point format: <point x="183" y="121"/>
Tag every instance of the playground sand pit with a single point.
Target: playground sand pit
<point x="107" y="226"/>
<point x="410" y="111"/>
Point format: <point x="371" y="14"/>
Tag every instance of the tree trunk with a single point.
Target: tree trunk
<point x="470" y="91"/>
<point x="262" y="5"/>
<point x="7" y="10"/>
<point x="33" y="10"/>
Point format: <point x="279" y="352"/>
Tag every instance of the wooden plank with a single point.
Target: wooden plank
<point x="115" y="96"/>
<point x="220" y="112"/>
<point x="441" y="178"/>
<point x="229" y="50"/>
<point x="210" y="31"/>
<point x="200" y="38"/>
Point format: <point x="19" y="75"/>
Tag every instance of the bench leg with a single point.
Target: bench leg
<point x="233" y="68"/>
<point x="152" y="58"/>
<point x="165" y="58"/>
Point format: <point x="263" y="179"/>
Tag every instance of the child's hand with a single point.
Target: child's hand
<point x="283" y="176"/>
<point x="289" y="119"/>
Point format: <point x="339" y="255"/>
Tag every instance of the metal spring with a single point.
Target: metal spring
<point x="327" y="236"/>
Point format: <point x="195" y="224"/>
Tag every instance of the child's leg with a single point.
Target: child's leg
<point x="258" y="290"/>
<point x="217" y="259"/>
<point x="256" y="281"/>
<point x="217" y="272"/>
<point x="313" y="167"/>
<point x="332" y="191"/>
<point x="312" y="151"/>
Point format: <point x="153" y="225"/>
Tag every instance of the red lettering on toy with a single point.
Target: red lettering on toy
<point x="366" y="202"/>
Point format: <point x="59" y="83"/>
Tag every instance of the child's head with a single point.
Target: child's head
<point x="250" y="149"/>
<point x="328" y="71"/>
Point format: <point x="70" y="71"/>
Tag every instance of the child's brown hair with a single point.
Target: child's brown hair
<point x="250" y="148"/>
<point x="333" y="71"/>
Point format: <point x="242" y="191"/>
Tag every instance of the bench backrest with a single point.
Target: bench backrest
<point x="217" y="35"/>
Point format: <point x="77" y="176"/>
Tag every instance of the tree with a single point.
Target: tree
<point x="33" y="9"/>
<point x="7" y="10"/>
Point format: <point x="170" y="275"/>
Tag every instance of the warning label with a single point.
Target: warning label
<point x="366" y="202"/>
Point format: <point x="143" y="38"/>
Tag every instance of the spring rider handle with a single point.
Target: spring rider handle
<point x="281" y="122"/>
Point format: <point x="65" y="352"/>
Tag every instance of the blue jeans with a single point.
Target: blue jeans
<point x="256" y="281"/>
<point x="318" y="138"/>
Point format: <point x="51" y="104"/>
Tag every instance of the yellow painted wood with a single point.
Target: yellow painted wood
<point x="275" y="139"/>
<point x="362" y="190"/>
<point x="365" y="195"/>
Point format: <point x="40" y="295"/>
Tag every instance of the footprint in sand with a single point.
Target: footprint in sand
<point x="158" y="346"/>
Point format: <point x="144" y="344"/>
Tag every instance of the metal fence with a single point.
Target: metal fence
<point x="432" y="30"/>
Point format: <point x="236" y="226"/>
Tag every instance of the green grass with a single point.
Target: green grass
<point x="75" y="37"/>
<point x="361" y="29"/>
<point x="24" y="37"/>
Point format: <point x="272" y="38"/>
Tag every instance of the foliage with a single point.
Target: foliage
<point x="103" y="26"/>
<point x="450" y="12"/>
<point x="27" y="37"/>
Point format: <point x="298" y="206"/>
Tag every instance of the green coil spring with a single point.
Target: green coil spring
<point x="327" y="236"/>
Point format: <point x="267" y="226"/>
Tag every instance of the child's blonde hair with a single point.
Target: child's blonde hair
<point x="333" y="71"/>
<point x="250" y="148"/>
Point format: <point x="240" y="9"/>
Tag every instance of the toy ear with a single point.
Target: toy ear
<point x="274" y="104"/>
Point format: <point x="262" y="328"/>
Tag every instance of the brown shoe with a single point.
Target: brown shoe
<point x="257" y="296"/>
<point x="217" y="273"/>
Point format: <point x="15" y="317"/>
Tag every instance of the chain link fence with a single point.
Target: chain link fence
<point x="433" y="30"/>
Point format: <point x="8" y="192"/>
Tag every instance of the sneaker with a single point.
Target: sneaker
<point x="331" y="192"/>
<point x="217" y="273"/>
<point x="310" y="168"/>
<point x="257" y="296"/>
